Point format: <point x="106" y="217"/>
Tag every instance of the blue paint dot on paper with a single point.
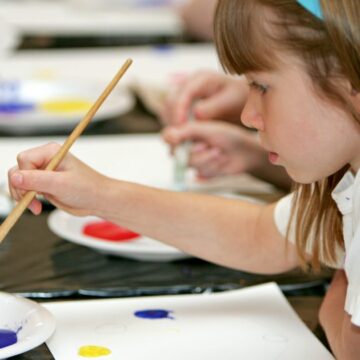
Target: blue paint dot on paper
<point x="15" y="107"/>
<point x="7" y="338"/>
<point x="153" y="314"/>
<point x="163" y="48"/>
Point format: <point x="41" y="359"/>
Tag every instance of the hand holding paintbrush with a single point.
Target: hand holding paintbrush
<point x="63" y="150"/>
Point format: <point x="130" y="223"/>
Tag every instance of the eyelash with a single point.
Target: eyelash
<point x="259" y="87"/>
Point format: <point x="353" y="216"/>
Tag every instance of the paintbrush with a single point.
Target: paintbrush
<point x="15" y="214"/>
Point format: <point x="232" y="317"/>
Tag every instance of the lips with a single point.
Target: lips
<point x="273" y="157"/>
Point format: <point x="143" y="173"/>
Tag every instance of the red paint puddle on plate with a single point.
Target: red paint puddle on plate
<point x="106" y="230"/>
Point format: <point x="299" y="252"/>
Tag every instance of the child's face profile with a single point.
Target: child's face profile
<point x="308" y="135"/>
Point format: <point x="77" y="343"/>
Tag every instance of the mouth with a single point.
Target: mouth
<point x="273" y="157"/>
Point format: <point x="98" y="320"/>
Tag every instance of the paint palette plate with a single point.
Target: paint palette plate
<point x="70" y="227"/>
<point x="32" y="324"/>
<point x="41" y="106"/>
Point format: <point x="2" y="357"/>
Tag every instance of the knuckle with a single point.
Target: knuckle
<point x="53" y="146"/>
<point x="22" y="157"/>
<point x="12" y="170"/>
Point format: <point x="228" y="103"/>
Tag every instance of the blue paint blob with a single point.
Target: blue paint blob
<point x="153" y="314"/>
<point x="7" y="338"/>
<point x="164" y="48"/>
<point x="15" y="107"/>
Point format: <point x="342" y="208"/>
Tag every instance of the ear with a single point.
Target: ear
<point x="353" y="92"/>
<point x="355" y="99"/>
<point x="354" y="96"/>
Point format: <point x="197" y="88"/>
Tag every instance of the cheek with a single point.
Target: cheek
<point x="304" y="148"/>
<point x="290" y="127"/>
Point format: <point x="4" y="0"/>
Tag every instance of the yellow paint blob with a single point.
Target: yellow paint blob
<point x="66" y="106"/>
<point x="92" y="351"/>
<point x="44" y="74"/>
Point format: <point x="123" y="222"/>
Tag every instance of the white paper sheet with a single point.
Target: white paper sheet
<point x="252" y="323"/>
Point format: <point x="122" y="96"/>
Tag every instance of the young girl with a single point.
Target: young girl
<point x="302" y="62"/>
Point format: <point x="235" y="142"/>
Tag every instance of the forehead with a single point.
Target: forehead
<point x="288" y="67"/>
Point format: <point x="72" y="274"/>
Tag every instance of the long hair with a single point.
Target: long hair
<point x="250" y="35"/>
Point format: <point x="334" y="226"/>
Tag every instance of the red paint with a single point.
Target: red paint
<point x="106" y="230"/>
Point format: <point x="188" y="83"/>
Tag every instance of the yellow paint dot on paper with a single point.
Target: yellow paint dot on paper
<point x="66" y="106"/>
<point x="92" y="351"/>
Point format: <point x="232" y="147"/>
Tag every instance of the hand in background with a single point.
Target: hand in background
<point x="210" y="95"/>
<point x="219" y="148"/>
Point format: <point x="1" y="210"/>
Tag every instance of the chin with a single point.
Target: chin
<point x="303" y="178"/>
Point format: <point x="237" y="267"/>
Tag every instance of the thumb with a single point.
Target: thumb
<point x="41" y="181"/>
<point x="197" y="131"/>
<point x="175" y="135"/>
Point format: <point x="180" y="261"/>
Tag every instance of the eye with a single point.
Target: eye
<point x="258" y="87"/>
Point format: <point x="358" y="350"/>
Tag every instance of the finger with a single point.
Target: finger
<point x="167" y="114"/>
<point x="198" y="146"/>
<point x="200" y="86"/>
<point x="37" y="158"/>
<point x="38" y="180"/>
<point x="204" y="159"/>
<point x="15" y="193"/>
<point x="10" y="172"/>
<point x="175" y="135"/>
<point x="35" y="207"/>
<point x="212" y="107"/>
<point x="194" y="131"/>
<point x="208" y="173"/>
<point x="214" y="168"/>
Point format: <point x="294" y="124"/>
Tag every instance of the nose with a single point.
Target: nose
<point x="251" y="115"/>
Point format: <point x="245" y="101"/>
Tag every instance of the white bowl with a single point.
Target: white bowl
<point x="33" y="323"/>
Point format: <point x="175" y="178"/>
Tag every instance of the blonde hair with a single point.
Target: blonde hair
<point x="249" y="35"/>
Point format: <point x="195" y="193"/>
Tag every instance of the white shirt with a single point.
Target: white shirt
<point x="347" y="197"/>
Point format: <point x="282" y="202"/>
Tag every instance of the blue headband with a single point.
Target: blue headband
<point x="312" y="6"/>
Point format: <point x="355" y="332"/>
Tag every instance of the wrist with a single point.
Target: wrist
<point x="104" y="198"/>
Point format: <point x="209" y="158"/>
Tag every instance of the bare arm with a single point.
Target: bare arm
<point x="198" y="17"/>
<point x="229" y="232"/>
<point x="343" y="336"/>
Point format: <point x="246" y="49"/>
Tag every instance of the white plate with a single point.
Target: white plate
<point x="34" y="323"/>
<point x="38" y="93"/>
<point x="69" y="227"/>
